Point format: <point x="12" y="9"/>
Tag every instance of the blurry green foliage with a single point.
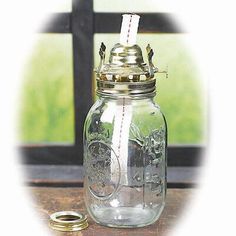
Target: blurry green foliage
<point x="47" y="104"/>
<point x="47" y="97"/>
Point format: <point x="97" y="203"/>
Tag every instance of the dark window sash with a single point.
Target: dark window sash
<point x="151" y="23"/>
<point x="72" y="176"/>
<point x="187" y="155"/>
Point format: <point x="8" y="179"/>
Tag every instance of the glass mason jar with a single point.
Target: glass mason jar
<point x="125" y="140"/>
<point x="125" y="187"/>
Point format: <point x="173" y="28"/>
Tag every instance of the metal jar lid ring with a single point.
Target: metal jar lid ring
<point x="68" y="221"/>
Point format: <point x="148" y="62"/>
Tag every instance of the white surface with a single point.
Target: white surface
<point x="212" y="211"/>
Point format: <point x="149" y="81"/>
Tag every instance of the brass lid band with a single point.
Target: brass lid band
<point x="126" y="88"/>
<point x="68" y="221"/>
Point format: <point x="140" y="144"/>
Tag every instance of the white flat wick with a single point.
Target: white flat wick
<point x="129" y="29"/>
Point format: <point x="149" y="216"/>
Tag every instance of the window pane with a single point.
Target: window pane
<point x="63" y="5"/>
<point x="181" y="95"/>
<point x="56" y="6"/>
<point x="47" y="94"/>
<point x="129" y="6"/>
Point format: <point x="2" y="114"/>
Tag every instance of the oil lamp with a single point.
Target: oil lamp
<point x="125" y="138"/>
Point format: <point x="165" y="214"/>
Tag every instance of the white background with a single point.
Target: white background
<point x="212" y="24"/>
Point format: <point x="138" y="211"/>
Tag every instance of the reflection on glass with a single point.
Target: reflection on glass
<point x="47" y="94"/>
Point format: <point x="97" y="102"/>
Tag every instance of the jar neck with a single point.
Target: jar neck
<point x="133" y="90"/>
<point x="149" y="96"/>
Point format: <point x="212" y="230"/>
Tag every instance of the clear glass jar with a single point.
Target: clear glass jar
<point x="125" y="140"/>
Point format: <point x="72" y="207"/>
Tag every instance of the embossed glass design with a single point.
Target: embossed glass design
<point x="125" y="161"/>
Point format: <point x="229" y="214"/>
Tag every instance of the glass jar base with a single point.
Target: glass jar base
<point x="126" y="217"/>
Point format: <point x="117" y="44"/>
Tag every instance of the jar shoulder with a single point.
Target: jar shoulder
<point x="103" y="108"/>
<point x="143" y="114"/>
<point x="145" y="105"/>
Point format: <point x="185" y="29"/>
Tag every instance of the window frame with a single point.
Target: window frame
<point x="84" y="19"/>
